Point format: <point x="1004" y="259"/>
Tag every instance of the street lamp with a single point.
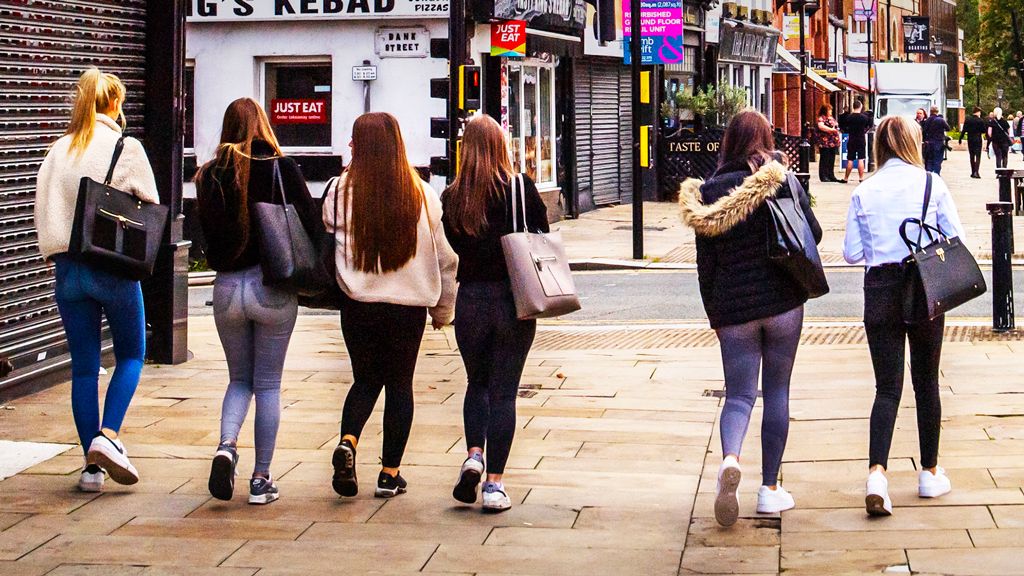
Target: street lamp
<point x="804" y="8"/>
<point x="936" y="46"/>
<point x="977" y="84"/>
<point x="999" y="97"/>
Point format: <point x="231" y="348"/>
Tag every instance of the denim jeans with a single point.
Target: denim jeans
<point x="84" y="295"/>
<point x="933" y="155"/>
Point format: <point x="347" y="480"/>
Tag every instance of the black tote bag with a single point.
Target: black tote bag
<point x="330" y="296"/>
<point x="115" y="231"/>
<point x="791" y="244"/>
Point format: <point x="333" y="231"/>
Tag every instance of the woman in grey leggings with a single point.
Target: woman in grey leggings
<point x="254" y="321"/>
<point x="754" y="306"/>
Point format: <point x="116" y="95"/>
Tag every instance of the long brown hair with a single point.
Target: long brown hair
<point x="898" y="137"/>
<point x="748" y="140"/>
<point x="96" y="93"/>
<point x="384" y="193"/>
<point x="483" y="170"/>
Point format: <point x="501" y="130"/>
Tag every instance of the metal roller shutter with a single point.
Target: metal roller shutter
<point x="44" y="46"/>
<point x="603" y="130"/>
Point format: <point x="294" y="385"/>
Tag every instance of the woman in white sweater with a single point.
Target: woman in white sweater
<point x="85" y="293"/>
<point x="394" y="264"/>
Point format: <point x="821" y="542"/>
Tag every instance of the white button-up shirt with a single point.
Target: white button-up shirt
<point x="881" y="203"/>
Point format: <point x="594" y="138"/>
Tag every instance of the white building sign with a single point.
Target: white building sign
<point x="411" y="42"/>
<point x="290" y="10"/>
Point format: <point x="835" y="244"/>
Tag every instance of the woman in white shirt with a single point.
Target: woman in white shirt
<point x="878" y="207"/>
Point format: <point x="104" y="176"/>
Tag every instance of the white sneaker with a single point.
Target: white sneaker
<point x="933" y="485"/>
<point x="495" y="498"/>
<point x="774" y="501"/>
<point x="112" y="457"/>
<point x="91" y="479"/>
<point x="727" y="500"/>
<point x="877" y="499"/>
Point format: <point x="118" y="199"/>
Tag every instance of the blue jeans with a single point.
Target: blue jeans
<point x="84" y="295"/>
<point x="933" y="155"/>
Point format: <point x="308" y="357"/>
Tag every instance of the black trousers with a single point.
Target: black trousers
<point x="887" y="336"/>
<point x="1001" y="151"/>
<point x="974" y="150"/>
<point x="383" y="341"/>
<point x="827" y="164"/>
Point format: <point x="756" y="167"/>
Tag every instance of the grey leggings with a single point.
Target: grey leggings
<point x="773" y="341"/>
<point x="255" y="324"/>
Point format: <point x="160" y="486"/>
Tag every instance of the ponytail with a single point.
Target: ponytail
<point x="96" y="93"/>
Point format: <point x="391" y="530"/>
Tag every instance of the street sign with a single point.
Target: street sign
<point x="412" y="42"/>
<point x="661" y="30"/>
<point x="364" y="73"/>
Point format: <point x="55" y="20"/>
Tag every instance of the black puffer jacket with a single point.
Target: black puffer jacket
<point x="738" y="283"/>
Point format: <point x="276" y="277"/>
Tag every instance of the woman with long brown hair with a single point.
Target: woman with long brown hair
<point x="755" y="307"/>
<point x="254" y="321"/>
<point x="492" y="341"/>
<point x="394" y="265"/>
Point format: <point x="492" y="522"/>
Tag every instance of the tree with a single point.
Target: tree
<point x="997" y="53"/>
<point x="968" y="19"/>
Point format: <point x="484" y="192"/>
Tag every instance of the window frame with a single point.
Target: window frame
<point x="261" y="90"/>
<point x="551" y="67"/>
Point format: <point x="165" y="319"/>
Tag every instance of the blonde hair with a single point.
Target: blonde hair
<point x="96" y="93"/>
<point x="898" y="137"/>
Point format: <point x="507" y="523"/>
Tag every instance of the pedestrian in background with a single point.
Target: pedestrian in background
<point x="974" y="127"/>
<point x="934" y="131"/>
<point x="755" y="307"/>
<point x="877" y="208"/>
<point x="493" y="342"/>
<point x="393" y="263"/>
<point x="920" y="116"/>
<point x="857" y="126"/>
<point x="999" y="137"/>
<point x="85" y="293"/>
<point x="254" y="321"/>
<point x="829" y="140"/>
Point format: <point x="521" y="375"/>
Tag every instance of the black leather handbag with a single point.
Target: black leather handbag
<point x="939" y="276"/>
<point x="115" y="231"/>
<point x="791" y="244"/>
<point x="330" y="296"/>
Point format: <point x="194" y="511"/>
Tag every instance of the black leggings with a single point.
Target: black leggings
<point x="383" y="341"/>
<point x="494" y="345"/>
<point x="827" y="164"/>
<point x="1001" y="151"/>
<point x="887" y="336"/>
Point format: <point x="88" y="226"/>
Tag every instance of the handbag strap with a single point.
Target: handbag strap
<point x="922" y="225"/>
<point x="518" y="202"/>
<point x="277" y="184"/>
<point x="118" y="148"/>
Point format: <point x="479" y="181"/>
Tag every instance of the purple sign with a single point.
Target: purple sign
<point x="661" y="28"/>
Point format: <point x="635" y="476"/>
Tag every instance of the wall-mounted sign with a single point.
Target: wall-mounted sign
<point x="412" y="42"/>
<point x="865" y="10"/>
<point x="747" y="44"/>
<point x="290" y="10"/>
<point x="565" y="16"/>
<point x="694" y="147"/>
<point x="294" y="111"/>
<point x="791" y="26"/>
<point x="364" y="73"/>
<point x="661" y="31"/>
<point x="508" y="39"/>
<point x="915" y="34"/>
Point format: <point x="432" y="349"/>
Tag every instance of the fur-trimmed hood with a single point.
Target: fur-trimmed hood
<point x="735" y="207"/>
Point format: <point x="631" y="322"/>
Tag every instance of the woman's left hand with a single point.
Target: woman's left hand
<point x="437" y="324"/>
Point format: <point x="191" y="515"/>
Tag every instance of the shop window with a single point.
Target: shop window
<point x="531" y="115"/>
<point x="190" y="101"/>
<point x="297" y="98"/>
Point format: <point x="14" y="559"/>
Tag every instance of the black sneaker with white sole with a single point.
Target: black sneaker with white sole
<point x="111" y="456"/>
<point x="389" y="486"/>
<point x="262" y="491"/>
<point x="344" y="461"/>
<point x="469" y="479"/>
<point x="222" y="472"/>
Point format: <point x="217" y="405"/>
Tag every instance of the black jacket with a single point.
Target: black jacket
<point x="228" y="247"/>
<point x="974" y="127"/>
<point x="934" y="129"/>
<point x="738" y="283"/>
<point x="1000" y="132"/>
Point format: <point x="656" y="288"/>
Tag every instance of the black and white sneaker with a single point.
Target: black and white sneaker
<point x="262" y="491"/>
<point x="389" y="486"/>
<point x="222" y="472"/>
<point x="344" y="461"/>
<point x="112" y="457"/>
<point x="469" y="478"/>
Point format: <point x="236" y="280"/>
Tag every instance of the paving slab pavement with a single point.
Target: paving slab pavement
<point x="613" y="471"/>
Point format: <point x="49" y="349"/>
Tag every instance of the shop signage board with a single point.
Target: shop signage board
<point x="508" y="39"/>
<point x="298" y="111"/>
<point x="748" y="45"/>
<point x="791" y="26"/>
<point x="412" y="42"/>
<point x="865" y="10"/>
<point x="291" y="10"/>
<point x="562" y="16"/>
<point x="916" y="35"/>
<point x="661" y="30"/>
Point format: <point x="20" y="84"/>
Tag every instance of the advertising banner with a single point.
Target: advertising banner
<point x="915" y="34"/>
<point x="289" y="10"/>
<point x="865" y="10"/>
<point x="508" y="39"/>
<point x="661" y="29"/>
<point x="791" y="26"/>
<point x="294" y="111"/>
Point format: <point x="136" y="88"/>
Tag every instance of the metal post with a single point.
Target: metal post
<point x="456" y="57"/>
<point x="1005" y="177"/>
<point x="366" y="91"/>
<point x="805" y="146"/>
<point x="871" y="88"/>
<point x="635" y="31"/>
<point x="1002" y="269"/>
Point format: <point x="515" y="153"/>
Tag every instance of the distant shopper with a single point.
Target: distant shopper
<point x="999" y="137"/>
<point x="85" y="293"/>
<point x="857" y="126"/>
<point x="974" y="127"/>
<point x="920" y="116"/>
<point x="934" y="131"/>
<point x="829" y="140"/>
<point x="254" y="321"/>
<point x="493" y="342"/>
<point x="877" y="209"/>
<point x="755" y="307"/>
<point x="394" y="262"/>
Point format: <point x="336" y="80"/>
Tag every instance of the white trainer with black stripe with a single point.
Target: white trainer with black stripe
<point x="111" y="456"/>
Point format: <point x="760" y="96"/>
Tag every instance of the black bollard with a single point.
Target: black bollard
<point x="805" y="165"/>
<point x="1005" y="177"/>
<point x="1002" y="265"/>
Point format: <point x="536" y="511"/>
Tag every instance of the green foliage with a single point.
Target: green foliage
<point x="968" y="19"/>
<point x="997" y="54"/>
<point x="198" y="265"/>
<point x="714" y="106"/>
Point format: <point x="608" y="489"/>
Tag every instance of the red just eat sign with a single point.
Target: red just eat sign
<point x="298" y="111"/>
<point x="508" y="38"/>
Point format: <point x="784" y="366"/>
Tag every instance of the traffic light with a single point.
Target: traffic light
<point x="469" y="88"/>
<point x="439" y="126"/>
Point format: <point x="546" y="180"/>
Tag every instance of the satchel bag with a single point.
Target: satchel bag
<point x="542" y="285"/>
<point x="939" y="276"/>
<point x="791" y="244"/>
<point x="115" y="231"/>
<point x="330" y="296"/>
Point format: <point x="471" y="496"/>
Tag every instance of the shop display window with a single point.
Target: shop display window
<point x="297" y="98"/>
<point x="531" y="118"/>
<point x="190" y="102"/>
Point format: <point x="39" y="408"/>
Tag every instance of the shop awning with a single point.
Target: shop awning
<point x="791" y="59"/>
<point x="852" y="84"/>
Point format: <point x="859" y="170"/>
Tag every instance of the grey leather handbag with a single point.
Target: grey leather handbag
<point x="538" y="269"/>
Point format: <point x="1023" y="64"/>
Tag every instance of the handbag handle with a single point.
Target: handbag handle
<point x="923" y="228"/>
<point x="518" y="197"/>
<point x="118" y="148"/>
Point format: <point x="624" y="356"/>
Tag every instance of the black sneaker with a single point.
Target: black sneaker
<point x="262" y="491"/>
<point x="389" y="486"/>
<point x="344" y="460"/>
<point x="222" y="472"/>
<point x="469" y="478"/>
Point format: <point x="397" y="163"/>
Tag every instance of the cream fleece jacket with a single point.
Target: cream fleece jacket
<point x="428" y="279"/>
<point x="59" y="177"/>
